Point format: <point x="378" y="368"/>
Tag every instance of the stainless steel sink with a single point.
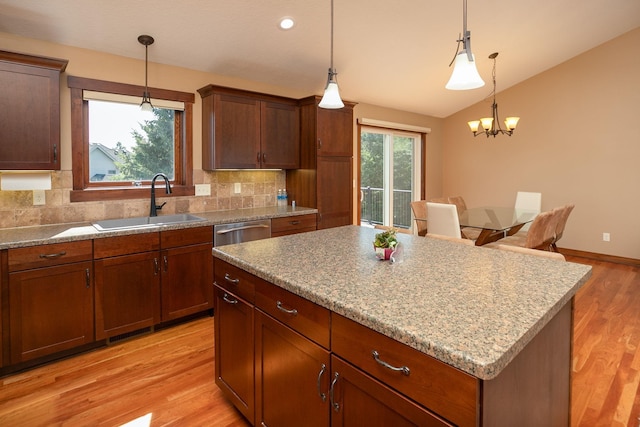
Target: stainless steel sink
<point x="144" y="222"/>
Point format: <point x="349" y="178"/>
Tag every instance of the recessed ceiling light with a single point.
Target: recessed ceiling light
<point x="286" y="23"/>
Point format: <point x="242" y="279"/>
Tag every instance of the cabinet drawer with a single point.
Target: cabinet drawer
<point x="293" y="224"/>
<point x="441" y="388"/>
<point x="299" y="314"/>
<point x="232" y="279"/>
<point x="49" y="255"/>
<point x="124" y="245"/>
<point x="186" y="237"/>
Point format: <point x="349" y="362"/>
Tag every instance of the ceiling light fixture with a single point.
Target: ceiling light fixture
<point x="146" y="99"/>
<point x="331" y="98"/>
<point x="465" y="74"/>
<point x="491" y="125"/>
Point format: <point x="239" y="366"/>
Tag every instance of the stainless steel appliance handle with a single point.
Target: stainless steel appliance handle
<point x="246" y="227"/>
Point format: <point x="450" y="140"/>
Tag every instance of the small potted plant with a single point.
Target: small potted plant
<point x="385" y="243"/>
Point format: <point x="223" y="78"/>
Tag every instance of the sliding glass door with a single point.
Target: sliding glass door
<point x="389" y="176"/>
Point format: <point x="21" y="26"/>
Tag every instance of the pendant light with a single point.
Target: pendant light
<point x="465" y="73"/>
<point x="491" y="125"/>
<point x="146" y="99"/>
<point x="331" y="98"/>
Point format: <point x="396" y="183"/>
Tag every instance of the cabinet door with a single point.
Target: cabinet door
<point x="280" y="135"/>
<point x="236" y="133"/>
<point x="359" y="400"/>
<point x="30" y="105"/>
<point x="50" y="310"/>
<point x="292" y="377"/>
<point x="187" y="281"/>
<point x="335" y="204"/>
<point x="234" y="350"/>
<point x="335" y="132"/>
<point x="127" y="293"/>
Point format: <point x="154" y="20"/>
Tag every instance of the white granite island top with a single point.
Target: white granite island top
<point x="473" y="308"/>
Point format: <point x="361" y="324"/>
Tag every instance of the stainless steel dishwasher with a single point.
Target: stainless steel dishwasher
<point x="238" y="232"/>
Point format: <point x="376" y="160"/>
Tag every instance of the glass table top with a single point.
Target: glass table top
<point x="495" y="218"/>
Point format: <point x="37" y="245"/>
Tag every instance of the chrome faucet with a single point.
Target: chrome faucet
<point x="154" y="208"/>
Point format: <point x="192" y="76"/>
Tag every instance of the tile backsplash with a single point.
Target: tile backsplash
<point x="257" y="189"/>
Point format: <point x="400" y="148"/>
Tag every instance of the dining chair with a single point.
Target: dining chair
<point x="419" y="209"/>
<point x="443" y="219"/>
<point x="537" y="237"/>
<point x="467" y="232"/>
<point x="562" y="222"/>
<point x="528" y="201"/>
<point x="439" y="200"/>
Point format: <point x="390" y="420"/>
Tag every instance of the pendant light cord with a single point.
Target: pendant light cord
<point x="332" y="36"/>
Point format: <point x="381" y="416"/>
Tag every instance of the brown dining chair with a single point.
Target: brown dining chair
<point x="467" y="232"/>
<point x="537" y="237"/>
<point x="562" y="222"/>
<point x="419" y="209"/>
<point x="439" y="200"/>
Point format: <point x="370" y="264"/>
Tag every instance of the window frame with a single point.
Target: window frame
<point x="83" y="190"/>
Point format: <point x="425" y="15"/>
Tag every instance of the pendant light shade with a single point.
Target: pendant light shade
<point x="331" y="98"/>
<point x="145" y="105"/>
<point x="465" y="73"/>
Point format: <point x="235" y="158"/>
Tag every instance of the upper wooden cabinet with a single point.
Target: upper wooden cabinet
<point x="248" y="130"/>
<point x="30" y="105"/>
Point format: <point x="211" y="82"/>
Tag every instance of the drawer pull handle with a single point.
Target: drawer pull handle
<point x="53" y="256"/>
<point x="156" y="268"/>
<point x="334" y="404"/>
<point x="229" y="300"/>
<point x="230" y="280"/>
<point x="376" y="356"/>
<point x="320" y="393"/>
<point x="292" y="312"/>
<point x="294" y="222"/>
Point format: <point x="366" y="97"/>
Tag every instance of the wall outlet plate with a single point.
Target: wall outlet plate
<point x="606" y="237"/>
<point x="203" y="190"/>
<point x="38" y="198"/>
<point x="237" y="188"/>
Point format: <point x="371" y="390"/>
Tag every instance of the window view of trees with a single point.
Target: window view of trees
<point x="129" y="145"/>
<point x="380" y="150"/>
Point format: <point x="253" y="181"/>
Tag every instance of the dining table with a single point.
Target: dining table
<point x="495" y="222"/>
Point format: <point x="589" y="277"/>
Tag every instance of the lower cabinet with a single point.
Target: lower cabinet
<point x="359" y="400"/>
<point x="292" y="376"/>
<point x="50" y="299"/>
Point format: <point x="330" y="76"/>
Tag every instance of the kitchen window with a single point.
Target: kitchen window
<point x="116" y="149"/>
<point x="390" y="175"/>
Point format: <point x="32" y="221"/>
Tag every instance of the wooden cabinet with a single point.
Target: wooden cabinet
<point x="50" y="290"/>
<point x="358" y="399"/>
<point x="292" y="376"/>
<point x="30" y="105"/>
<point x="187" y="272"/>
<point x="234" y="338"/>
<point x="248" y="130"/>
<point x="325" y="179"/>
<point x="127" y="277"/>
<point x="292" y="224"/>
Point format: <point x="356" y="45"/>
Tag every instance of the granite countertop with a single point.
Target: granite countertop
<point x="473" y="308"/>
<point x="58" y="233"/>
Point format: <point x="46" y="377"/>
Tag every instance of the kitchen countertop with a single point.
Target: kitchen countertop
<point x="471" y="307"/>
<point x="59" y="233"/>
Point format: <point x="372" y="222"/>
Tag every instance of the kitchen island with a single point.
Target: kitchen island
<point x="495" y="325"/>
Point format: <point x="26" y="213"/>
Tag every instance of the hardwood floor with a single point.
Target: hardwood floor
<point x="169" y="374"/>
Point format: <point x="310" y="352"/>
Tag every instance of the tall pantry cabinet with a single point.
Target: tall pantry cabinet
<point x="325" y="179"/>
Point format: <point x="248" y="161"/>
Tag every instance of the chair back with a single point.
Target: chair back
<point x="459" y="202"/>
<point x="539" y="231"/>
<point x="419" y="209"/>
<point x="565" y="211"/>
<point x="439" y="200"/>
<point x="443" y="219"/>
<point x="528" y="201"/>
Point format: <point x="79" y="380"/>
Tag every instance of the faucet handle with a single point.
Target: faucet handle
<point x="159" y="207"/>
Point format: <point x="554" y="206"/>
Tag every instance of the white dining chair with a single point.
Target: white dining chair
<point x="528" y="201"/>
<point x="442" y="219"/>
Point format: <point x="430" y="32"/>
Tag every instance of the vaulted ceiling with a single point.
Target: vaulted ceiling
<point x="389" y="53"/>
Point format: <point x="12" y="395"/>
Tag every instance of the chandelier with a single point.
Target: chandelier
<point x="491" y="125"/>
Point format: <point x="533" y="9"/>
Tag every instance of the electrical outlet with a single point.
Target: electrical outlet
<point x="237" y="188"/>
<point x="38" y="197"/>
<point x="606" y="237"/>
<point x="203" y="190"/>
